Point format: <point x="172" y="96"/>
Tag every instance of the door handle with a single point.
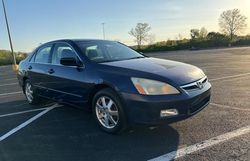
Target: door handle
<point x="30" y="67"/>
<point x="51" y="71"/>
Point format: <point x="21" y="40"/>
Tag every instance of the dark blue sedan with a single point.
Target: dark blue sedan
<point x="120" y="85"/>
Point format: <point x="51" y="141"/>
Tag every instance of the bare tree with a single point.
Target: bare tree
<point x="203" y="33"/>
<point x="140" y="33"/>
<point x="194" y="33"/>
<point x="151" y="39"/>
<point x="198" y="34"/>
<point x="179" y="37"/>
<point x="232" y="22"/>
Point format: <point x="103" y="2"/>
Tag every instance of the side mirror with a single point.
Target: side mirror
<point x="70" y="61"/>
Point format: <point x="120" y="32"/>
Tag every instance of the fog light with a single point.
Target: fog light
<point x="169" y="112"/>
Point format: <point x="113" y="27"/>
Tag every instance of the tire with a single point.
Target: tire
<point x="30" y="93"/>
<point x="104" y="111"/>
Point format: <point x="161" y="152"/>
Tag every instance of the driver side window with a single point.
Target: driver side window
<point x="62" y="50"/>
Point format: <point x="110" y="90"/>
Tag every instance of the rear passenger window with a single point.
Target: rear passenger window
<point x="42" y="55"/>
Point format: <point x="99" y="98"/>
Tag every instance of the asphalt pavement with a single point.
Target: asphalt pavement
<point x="55" y="132"/>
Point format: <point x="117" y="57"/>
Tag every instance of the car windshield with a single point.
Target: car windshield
<point x="106" y="51"/>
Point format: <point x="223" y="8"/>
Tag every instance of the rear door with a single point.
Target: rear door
<point x="38" y="68"/>
<point x="66" y="83"/>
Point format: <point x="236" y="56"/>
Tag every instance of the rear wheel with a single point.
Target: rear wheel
<point x="30" y="93"/>
<point x="108" y="111"/>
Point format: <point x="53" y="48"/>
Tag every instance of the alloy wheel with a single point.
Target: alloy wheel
<point x="29" y="92"/>
<point x="107" y="112"/>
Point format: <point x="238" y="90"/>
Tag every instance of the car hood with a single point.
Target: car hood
<point x="180" y="73"/>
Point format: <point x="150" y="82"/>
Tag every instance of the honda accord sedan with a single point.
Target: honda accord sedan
<point x="121" y="86"/>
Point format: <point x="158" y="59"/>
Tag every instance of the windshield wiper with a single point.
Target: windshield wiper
<point x="138" y="57"/>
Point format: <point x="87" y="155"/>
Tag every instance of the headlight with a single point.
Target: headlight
<point x="153" y="87"/>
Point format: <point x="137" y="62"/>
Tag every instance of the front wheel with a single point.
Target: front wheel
<point x="108" y="111"/>
<point x="30" y="94"/>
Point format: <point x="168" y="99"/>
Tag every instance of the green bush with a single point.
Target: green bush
<point x="6" y="57"/>
<point x="213" y="40"/>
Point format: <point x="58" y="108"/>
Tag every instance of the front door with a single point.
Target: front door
<point x="66" y="83"/>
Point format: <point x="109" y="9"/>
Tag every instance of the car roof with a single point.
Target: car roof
<point x="75" y="40"/>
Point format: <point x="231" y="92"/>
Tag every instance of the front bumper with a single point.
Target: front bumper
<point x="146" y="109"/>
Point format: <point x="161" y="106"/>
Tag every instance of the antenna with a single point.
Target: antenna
<point x="103" y="30"/>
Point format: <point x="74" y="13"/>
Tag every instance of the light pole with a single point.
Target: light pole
<point x="8" y="29"/>
<point x="103" y="30"/>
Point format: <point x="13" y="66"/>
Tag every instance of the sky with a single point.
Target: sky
<point x="33" y="22"/>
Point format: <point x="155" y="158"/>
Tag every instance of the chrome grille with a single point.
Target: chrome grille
<point x="195" y="85"/>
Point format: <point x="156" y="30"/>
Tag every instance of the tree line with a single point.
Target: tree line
<point x="6" y="57"/>
<point x="231" y="23"/>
